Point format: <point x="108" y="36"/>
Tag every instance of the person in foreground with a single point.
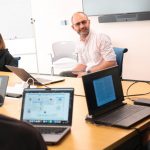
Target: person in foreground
<point x="5" y="57"/>
<point x="18" y="135"/>
<point x="95" y="51"/>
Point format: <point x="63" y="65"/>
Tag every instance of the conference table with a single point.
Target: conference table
<point x="83" y="135"/>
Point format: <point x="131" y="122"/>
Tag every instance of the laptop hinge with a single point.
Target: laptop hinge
<point x="90" y="118"/>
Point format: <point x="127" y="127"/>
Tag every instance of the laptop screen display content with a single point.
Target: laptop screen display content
<point x="47" y="108"/>
<point x="106" y="93"/>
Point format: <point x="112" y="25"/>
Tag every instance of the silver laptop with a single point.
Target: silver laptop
<point x="3" y="87"/>
<point x="24" y="75"/>
<point x="49" y="110"/>
<point x="104" y="96"/>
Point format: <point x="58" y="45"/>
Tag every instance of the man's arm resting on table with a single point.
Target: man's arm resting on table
<point x="80" y="69"/>
<point x="103" y="65"/>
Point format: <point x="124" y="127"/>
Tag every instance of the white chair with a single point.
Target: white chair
<point x="64" y="57"/>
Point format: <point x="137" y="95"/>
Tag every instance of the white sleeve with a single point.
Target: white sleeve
<point x="106" y="48"/>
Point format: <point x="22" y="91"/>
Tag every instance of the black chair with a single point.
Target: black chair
<point x="119" y="57"/>
<point x="17" y="60"/>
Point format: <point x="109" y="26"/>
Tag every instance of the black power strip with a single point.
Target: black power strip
<point x="142" y="101"/>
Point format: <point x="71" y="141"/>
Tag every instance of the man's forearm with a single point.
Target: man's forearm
<point x="79" y="67"/>
<point x="103" y="65"/>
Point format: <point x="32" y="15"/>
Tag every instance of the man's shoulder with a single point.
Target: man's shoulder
<point x="98" y="33"/>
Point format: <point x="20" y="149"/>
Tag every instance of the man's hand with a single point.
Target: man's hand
<point x="79" y="70"/>
<point x="80" y="74"/>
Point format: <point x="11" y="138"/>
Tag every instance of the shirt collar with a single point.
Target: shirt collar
<point x="87" y="38"/>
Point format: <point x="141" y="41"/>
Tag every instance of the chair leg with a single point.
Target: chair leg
<point x="52" y="71"/>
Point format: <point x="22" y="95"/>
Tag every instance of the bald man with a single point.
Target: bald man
<point x="95" y="51"/>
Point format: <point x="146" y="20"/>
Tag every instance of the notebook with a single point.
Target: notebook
<point x="104" y="96"/>
<point x="49" y="109"/>
<point x="24" y="75"/>
<point x="3" y="87"/>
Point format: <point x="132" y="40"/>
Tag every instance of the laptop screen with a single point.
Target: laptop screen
<point x="47" y="106"/>
<point x="107" y="94"/>
<point x="103" y="90"/>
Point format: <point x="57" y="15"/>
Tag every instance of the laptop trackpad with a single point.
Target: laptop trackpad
<point x="54" y="138"/>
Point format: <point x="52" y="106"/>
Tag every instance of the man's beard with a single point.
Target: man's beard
<point x="84" y="32"/>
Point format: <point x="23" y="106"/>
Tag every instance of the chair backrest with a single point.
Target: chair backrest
<point x="119" y="57"/>
<point x="63" y="49"/>
<point x="17" y="60"/>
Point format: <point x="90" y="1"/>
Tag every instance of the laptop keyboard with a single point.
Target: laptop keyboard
<point x="48" y="130"/>
<point x="121" y="113"/>
<point x="42" y="80"/>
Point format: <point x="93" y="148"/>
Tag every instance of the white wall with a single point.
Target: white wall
<point x="27" y="50"/>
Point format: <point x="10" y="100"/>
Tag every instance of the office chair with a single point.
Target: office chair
<point x="17" y="60"/>
<point x="119" y="57"/>
<point x="14" y="62"/>
<point x="63" y="57"/>
<point x="18" y="135"/>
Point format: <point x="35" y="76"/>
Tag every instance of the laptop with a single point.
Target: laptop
<point x="104" y="96"/>
<point x="49" y="110"/>
<point x="3" y="87"/>
<point x="25" y="76"/>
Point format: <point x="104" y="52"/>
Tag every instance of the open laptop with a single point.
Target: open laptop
<point x="3" y="87"/>
<point x="49" y="110"/>
<point x="104" y="96"/>
<point x="25" y="76"/>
